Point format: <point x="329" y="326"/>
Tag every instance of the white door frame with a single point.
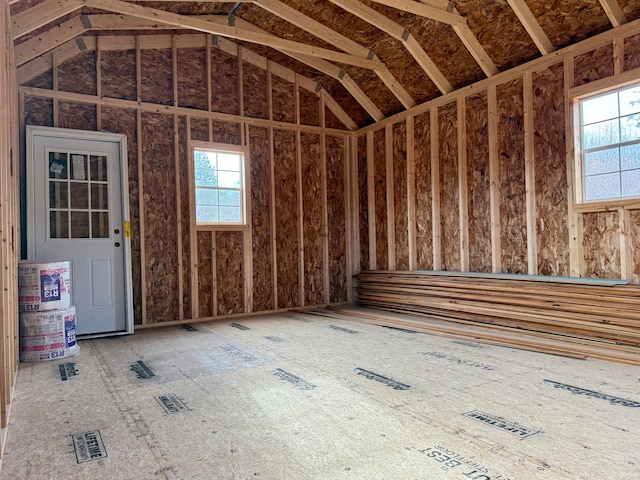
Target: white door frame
<point x="33" y="131"/>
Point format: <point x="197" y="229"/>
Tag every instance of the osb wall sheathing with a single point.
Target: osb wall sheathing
<point x="631" y="47"/>
<point x="192" y="78"/>
<point x="336" y="201"/>
<point x="78" y="74"/>
<point x="80" y="116"/>
<point x="282" y="93"/>
<point x="309" y="108"/>
<point x="513" y="224"/>
<point x="550" y="171"/>
<point x="205" y="273"/>
<point x="478" y="182"/>
<point x="635" y="245"/>
<point x="363" y="202"/>
<point x="157" y="81"/>
<point x="38" y="111"/>
<point x="118" y="72"/>
<point x="312" y="218"/>
<point x="255" y="91"/>
<point x="160" y="218"/>
<point x="261" y="218"/>
<point x="286" y="193"/>
<point x="229" y="273"/>
<point x="449" y="188"/>
<point x="423" y="199"/>
<point x="601" y="245"/>
<point x="224" y="82"/>
<point x="199" y="129"/>
<point x="400" y="196"/>
<point x="225" y="132"/>
<point x="380" y="199"/>
<point x="593" y="65"/>
<point x="118" y="120"/>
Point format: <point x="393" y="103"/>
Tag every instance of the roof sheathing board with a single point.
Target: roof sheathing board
<point x="499" y="31"/>
<point x="569" y="21"/>
<point x="631" y="9"/>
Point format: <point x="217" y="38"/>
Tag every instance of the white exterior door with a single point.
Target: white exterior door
<point x="76" y="183"/>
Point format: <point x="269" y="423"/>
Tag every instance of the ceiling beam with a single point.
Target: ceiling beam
<point x="194" y="23"/>
<point x="459" y="25"/>
<point x="399" y="33"/>
<point x="52" y="38"/>
<point x="38" y="16"/>
<point x="614" y="12"/>
<point x="332" y="71"/>
<point x="531" y="25"/>
<point x="329" y="35"/>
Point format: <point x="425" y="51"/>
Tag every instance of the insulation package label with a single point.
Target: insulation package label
<point x="43" y="286"/>
<point x="48" y="335"/>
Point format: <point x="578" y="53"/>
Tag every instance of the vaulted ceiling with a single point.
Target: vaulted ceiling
<point x="374" y="57"/>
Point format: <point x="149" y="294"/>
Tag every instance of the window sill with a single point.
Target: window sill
<point x="203" y="227"/>
<point x="607" y="206"/>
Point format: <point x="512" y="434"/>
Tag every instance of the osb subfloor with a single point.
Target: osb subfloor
<point x="302" y="396"/>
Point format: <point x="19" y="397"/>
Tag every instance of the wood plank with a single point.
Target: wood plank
<point x="411" y="191"/>
<point x="176" y="153"/>
<point x="494" y="180"/>
<point x="371" y="191"/>
<point x="35" y="17"/>
<point x="463" y="186"/>
<point x="326" y="281"/>
<point x="530" y="176"/>
<point x="626" y="246"/>
<point x="300" y="208"/>
<point x="52" y="38"/>
<point x="435" y="190"/>
<point x="614" y="12"/>
<point x="143" y="274"/>
<point x="391" y="215"/>
<point x="272" y="203"/>
<point x="221" y="28"/>
<point x="531" y="25"/>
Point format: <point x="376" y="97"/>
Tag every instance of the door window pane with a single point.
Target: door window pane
<point x="58" y="165"/>
<point x="79" y="195"/>
<point x="78" y="167"/>
<point x="99" y="224"/>
<point x="98" y="168"/>
<point x="79" y="224"/>
<point x="58" y="195"/>
<point x="99" y="196"/>
<point x="59" y="224"/>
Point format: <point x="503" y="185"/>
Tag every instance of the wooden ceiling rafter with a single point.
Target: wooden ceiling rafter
<point x="329" y="35"/>
<point x="400" y="33"/>
<point x="332" y="71"/>
<point x="531" y="25"/>
<point x="455" y="20"/>
<point x="614" y="12"/>
<point x="219" y="28"/>
<point x="40" y="15"/>
<point x="38" y="45"/>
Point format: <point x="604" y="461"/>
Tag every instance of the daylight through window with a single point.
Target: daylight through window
<point x="219" y="187"/>
<point x="610" y="140"/>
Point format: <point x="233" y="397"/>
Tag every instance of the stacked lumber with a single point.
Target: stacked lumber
<point x="591" y="320"/>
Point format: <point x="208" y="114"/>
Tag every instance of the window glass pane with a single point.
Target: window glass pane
<point x="206" y="178"/>
<point x="630" y="157"/>
<point x="230" y="215"/>
<point x="230" y="197"/>
<point x="206" y="160"/>
<point x="601" y="134"/>
<point x="229" y="179"/>
<point x="78" y="167"/>
<point x="99" y="225"/>
<point x="600" y="108"/>
<point x="206" y="196"/>
<point x="631" y="183"/>
<point x="58" y="224"/>
<point x="98" y="165"/>
<point x="630" y="100"/>
<point x="58" y="195"/>
<point x="630" y="128"/>
<point x="600" y="187"/>
<point x="79" y="224"/>
<point x="58" y="165"/>
<point x="79" y="195"/>
<point x="228" y="161"/>
<point x="601" y="161"/>
<point x="206" y="214"/>
<point x="99" y="196"/>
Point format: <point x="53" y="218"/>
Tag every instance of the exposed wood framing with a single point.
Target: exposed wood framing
<point x="38" y="16"/>
<point x="614" y="12"/>
<point x="349" y="213"/>
<point x="247" y="235"/>
<point x="219" y="28"/>
<point x="371" y="204"/>
<point x="463" y="186"/>
<point x="326" y="281"/>
<point x="176" y="153"/>
<point x="52" y="38"/>
<point x="300" y="208"/>
<point x="356" y="254"/>
<point x="143" y="274"/>
<point x="435" y="190"/>
<point x="411" y="191"/>
<point x="531" y="25"/>
<point x="391" y="214"/>
<point x="272" y="203"/>
<point x="530" y="176"/>
<point x="193" y="239"/>
<point x="399" y="33"/>
<point x="457" y="22"/>
<point x="494" y="181"/>
<point x="626" y="247"/>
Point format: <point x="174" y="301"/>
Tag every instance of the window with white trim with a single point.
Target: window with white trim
<point x="610" y="145"/>
<point x="219" y="186"/>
